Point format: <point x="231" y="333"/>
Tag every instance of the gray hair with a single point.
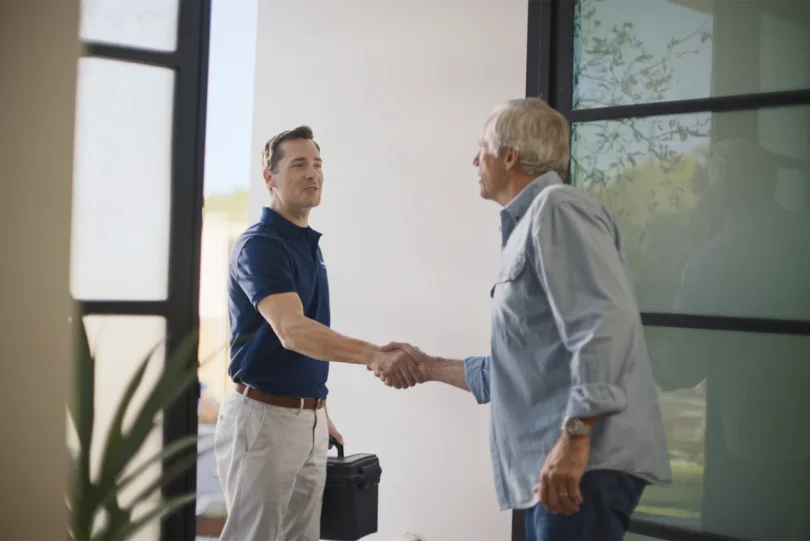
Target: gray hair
<point x="539" y="133"/>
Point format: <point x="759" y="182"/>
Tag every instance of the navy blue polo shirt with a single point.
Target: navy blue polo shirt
<point x="275" y="256"/>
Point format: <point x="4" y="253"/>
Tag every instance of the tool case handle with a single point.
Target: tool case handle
<point x="334" y="443"/>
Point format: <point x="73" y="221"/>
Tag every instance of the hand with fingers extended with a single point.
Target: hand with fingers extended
<point x="416" y="368"/>
<point x="562" y="473"/>
<point x="396" y="368"/>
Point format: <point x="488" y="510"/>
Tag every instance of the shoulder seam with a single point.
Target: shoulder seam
<point x="253" y="237"/>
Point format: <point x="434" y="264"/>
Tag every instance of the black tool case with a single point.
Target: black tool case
<point x="350" y="498"/>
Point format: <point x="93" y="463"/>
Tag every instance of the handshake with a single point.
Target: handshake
<point x="401" y="365"/>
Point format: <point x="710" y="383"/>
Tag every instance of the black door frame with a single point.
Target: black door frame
<point x="550" y="75"/>
<point x="189" y="61"/>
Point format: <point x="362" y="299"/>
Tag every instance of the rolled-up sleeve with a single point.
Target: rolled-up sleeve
<point x="476" y="374"/>
<point x="592" y="301"/>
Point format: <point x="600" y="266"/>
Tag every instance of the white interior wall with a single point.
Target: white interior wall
<point x="397" y="93"/>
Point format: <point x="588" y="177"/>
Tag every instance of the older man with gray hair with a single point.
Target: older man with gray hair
<point x="576" y="425"/>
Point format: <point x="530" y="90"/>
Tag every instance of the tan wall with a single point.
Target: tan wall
<point x="38" y="52"/>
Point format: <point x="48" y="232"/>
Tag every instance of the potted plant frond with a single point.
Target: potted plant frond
<point x="94" y="500"/>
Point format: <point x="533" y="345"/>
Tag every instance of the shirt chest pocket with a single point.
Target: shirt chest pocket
<point x="509" y="302"/>
<point x="509" y="276"/>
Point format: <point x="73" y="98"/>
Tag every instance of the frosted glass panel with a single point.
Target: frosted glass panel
<point x="122" y="188"/>
<point x="145" y="24"/>
<point x="713" y="208"/>
<point x="119" y="344"/>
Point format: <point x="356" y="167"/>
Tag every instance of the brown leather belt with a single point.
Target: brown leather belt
<point x="283" y="401"/>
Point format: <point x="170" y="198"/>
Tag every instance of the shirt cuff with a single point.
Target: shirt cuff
<point x="477" y="378"/>
<point x="267" y="291"/>
<point x="595" y="400"/>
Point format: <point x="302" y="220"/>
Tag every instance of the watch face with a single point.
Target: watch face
<point x="576" y="427"/>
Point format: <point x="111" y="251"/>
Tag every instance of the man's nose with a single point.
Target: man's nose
<point x="475" y="161"/>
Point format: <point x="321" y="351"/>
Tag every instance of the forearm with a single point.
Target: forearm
<point x="310" y="338"/>
<point x="599" y="373"/>
<point x="592" y="302"/>
<point x="449" y="371"/>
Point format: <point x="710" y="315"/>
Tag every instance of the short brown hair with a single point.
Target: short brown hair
<point x="272" y="152"/>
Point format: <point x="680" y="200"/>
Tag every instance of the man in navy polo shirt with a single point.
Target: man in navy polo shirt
<point x="273" y="428"/>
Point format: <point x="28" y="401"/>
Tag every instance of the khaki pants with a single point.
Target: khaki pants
<point x="271" y="463"/>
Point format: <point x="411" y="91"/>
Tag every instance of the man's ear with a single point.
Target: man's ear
<point x="269" y="181"/>
<point x="511" y="158"/>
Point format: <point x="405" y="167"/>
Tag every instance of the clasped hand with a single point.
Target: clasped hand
<point x="399" y="365"/>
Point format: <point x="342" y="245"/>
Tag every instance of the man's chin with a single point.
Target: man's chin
<point x="311" y="202"/>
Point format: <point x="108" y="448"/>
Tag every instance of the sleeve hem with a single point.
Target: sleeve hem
<point x="474" y="377"/>
<point x="267" y="292"/>
<point x="595" y="400"/>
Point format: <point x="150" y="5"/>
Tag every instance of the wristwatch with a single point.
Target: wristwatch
<point x="573" y="426"/>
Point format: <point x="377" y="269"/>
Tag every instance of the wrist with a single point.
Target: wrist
<point x="370" y="355"/>
<point x="569" y="440"/>
<point x="429" y="367"/>
<point x="578" y="427"/>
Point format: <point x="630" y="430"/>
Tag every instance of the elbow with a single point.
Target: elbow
<point x="285" y="340"/>
<point x="289" y="334"/>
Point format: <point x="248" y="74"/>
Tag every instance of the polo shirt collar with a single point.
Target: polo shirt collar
<point x="287" y="228"/>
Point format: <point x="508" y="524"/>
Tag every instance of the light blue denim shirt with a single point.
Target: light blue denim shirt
<point x="567" y="341"/>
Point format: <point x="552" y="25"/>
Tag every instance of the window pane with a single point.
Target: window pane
<point x="714" y="209"/>
<point x="730" y="402"/>
<point x="641" y="51"/>
<point x="144" y="24"/>
<point x="119" y="344"/>
<point x="629" y="536"/>
<point x="121" y="181"/>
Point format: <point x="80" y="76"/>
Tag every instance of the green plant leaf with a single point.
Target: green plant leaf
<point x="87" y="499"/>
<point x="71" y="498"/>
<point x="165" y="453"/>
<point x="82" y="415"/>
<point x="163" y="396"/>
<point x="116" y="517"/>
<point x="168" y="475"/>
<point x="85" y="384"/>
<point x="165" y="508"/>
<point x="110" y="467"/>
<point x="177" y="375"/>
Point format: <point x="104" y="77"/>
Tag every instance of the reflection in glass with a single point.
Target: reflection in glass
<point x="143" y="24"/>
<point x="641" y="51"/>
<point x="731" y="402"/>
<point x="715" y="220"/>
<point x="121" y="181"/>
<point x="629" y="536"/>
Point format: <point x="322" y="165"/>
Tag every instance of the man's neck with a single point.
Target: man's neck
<point x="299" y="217"/>
<point x="516" y="185"/>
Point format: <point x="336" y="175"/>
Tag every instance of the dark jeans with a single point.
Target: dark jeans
<point x="609" y="498"/>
